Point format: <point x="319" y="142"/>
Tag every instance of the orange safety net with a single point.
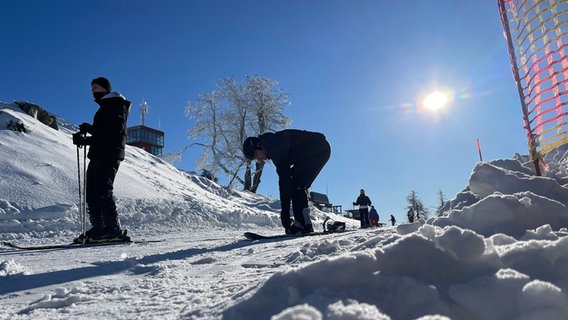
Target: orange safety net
<point x="537" y="35"/>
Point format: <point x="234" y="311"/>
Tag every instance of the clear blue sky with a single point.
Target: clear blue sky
<point x="355" y="70"/>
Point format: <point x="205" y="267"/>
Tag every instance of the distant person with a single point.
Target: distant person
<point x="363" y="202"/>
<point x="410" y="215"/>
<point x="107" y="143"/>
<point x="299" y="157"/>
<point x="373" y="217"/>
<point x="393" y="220"/>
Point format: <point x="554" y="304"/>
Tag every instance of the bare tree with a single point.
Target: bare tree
<point x="416" y="205"/>
<point x="225" y="117"/>
<point x="442" y="200"/>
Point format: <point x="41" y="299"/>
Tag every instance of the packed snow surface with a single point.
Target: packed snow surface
<point x="500" y="251"/>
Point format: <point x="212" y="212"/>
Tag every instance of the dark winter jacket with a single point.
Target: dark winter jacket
<point x="291" y="147"/>
<point x="108" y="132"/>
<point x="363" y="200"/>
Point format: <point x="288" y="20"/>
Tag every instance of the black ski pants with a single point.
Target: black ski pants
<point x="100" y="199"/>
<point x="304" y="173"/>
<point x="364" y="215"/>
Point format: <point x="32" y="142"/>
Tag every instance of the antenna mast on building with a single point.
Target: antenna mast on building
<point x="149" y="139"/>
<point x="143" y="111"/>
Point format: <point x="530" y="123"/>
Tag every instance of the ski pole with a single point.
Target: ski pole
<point x="85" y="189"/>
<point x="80" y="191"/>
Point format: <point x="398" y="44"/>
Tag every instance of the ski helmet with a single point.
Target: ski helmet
<point x="250" y="145"/>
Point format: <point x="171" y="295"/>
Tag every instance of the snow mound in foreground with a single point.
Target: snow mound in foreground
<point x="500" y="251"/>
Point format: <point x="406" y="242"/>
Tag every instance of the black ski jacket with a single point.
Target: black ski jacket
<point x="363" y="200"/>
<point x="108" y="133"/>
<point x="291" y="147"/>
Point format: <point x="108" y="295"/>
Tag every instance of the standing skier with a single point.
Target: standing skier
<point x="298" y="156"/>
<point x="393" y="220"/>
<point x="107" y="143"/>
<point x="363" y="202"/>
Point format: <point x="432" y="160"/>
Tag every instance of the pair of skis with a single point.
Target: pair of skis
<point x="75" y="245"/>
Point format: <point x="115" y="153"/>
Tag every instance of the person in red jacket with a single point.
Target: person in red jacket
<point x="299" y="157"/>
<point x="107" y="139"/>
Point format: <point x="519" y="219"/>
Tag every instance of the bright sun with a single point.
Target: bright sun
<point x="436" y="101"/>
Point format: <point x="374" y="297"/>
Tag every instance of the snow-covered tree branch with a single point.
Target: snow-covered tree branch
<point x="226" y="116"/>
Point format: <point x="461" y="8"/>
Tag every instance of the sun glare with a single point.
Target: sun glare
<point x="436" y="101"/>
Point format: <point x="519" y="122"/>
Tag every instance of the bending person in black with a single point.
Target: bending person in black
<point x="299" y="157"/>
<point x="107" y="143"/>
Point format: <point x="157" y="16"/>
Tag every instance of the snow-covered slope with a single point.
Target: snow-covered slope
<point x="499" y="252"/>
<point x="40" y="177"/>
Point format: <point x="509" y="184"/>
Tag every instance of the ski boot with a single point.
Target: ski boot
<point x="110" y="235"/>
<point x="297" y="228"/>
<point x="91" y="233"/>
<point x="294" y="228"/>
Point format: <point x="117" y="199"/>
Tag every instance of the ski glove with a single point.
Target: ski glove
<point x="79" y="139"/>
<point x="85" y="128"/>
